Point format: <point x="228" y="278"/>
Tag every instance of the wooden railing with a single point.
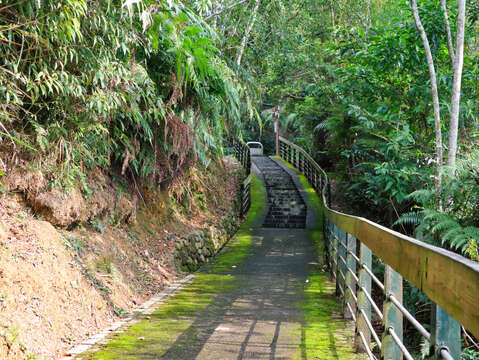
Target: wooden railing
<point x="243" y="155"/>
<point x="449" y="280"/>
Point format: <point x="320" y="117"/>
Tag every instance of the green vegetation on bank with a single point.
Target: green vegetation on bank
<point x="240" y="246"/>
<point x="138" y="88"/>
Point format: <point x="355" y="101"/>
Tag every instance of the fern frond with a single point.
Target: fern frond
<point x="434" y="215"/>
<point x="422" y="195"/>
<point x="410" y="218"/>
<point x="444" y="225"/>
<point x="449" y="235"/>
<point x="472" y="232"/>
<point x="460" y="242"/>
<point x="321" y="126"/>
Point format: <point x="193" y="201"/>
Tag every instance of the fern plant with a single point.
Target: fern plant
<point x="456" y="227"/>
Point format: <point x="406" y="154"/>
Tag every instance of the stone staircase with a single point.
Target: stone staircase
<point x="286" y="207"/>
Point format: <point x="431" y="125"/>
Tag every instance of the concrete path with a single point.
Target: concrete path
<point x="273" y="303"/>
<point x="261" y="318"/>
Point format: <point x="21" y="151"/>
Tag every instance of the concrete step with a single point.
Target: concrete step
<point x="286" y="207"/>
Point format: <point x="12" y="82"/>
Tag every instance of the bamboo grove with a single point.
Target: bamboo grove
<point x="138" y="85"/>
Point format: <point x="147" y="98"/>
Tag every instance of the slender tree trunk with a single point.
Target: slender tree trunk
<point x="435" y="95"/>
<point x="368" y="13"/>
<point x="450" y="46"/>
<point x="251" y="22"/>
<point x="456" y="84"/>
<point x="331" y="12"/>
<point x="214" y="9"/>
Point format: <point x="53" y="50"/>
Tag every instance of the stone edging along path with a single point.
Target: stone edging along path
<point x="136" y="315"/>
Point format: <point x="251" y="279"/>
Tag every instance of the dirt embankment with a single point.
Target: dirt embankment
<point x="71" y="263"/>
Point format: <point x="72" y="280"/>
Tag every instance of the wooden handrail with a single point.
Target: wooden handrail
<point x="448" y="279"/>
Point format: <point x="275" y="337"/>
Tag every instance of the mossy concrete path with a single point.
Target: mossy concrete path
<point x="265" y="297"/>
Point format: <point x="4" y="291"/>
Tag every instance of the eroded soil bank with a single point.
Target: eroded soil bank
<point x="73" y="262"/>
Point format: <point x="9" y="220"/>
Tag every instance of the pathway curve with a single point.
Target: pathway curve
<point x="270" y="300"/>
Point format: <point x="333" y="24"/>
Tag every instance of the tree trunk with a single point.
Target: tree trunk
<point x="435" y="95"/>
<point x="456" y="84"/>
<point x="368" y="13"/>
<point x="251" y="22"/>
<point x="331" y="13"/>
<point x="448" y="32"/>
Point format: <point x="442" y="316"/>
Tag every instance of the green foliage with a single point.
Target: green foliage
<point x="75" y="244"/>
<point x="440" y="228"/>
<point x="98" y="225"/>
<point x="456" y="227"/>
<point x="137" y="86"/>
<point x="353" y="90"/>
<point x="470" y="354"/>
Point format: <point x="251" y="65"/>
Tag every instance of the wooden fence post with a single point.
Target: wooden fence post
<point x="328" y="194"/>
<point x="308" y="171"/>
<point x="335" y="254"/>
<point x="350" y="289"/>
<point x="241" y="199"/>
<point x="393" y="317"/>
<point x="340" y="283"/>
<point x="327" y="242"/>
<point x="331" y="243"/>
<point x="446" y="333"/>
<point x="364" y="306"/>
<point x="312" y="174"/>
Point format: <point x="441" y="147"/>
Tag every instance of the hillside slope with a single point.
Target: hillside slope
<point x="68" y="269"/>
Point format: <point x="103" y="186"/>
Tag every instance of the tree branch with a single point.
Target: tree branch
<point x="252" y="20"/>
<point x="435" y="97"/>
<point x="226" y="8"/>
<point x="450" y="46"/>
<point x="456" y="83"/>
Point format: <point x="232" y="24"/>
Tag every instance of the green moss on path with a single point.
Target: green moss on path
<point x="153" y="336"/>
<point x="157" y="333"/>
<point x="325" y="333"/>
<point x="239" y="248"/>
